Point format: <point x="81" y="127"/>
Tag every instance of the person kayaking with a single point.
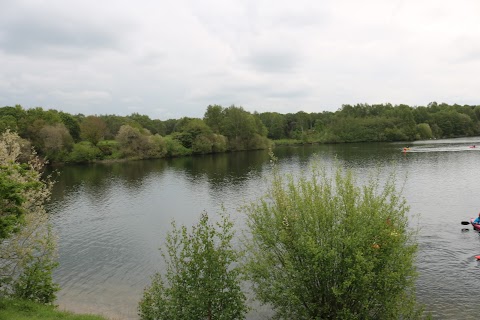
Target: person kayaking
<point x="477" y="220"/>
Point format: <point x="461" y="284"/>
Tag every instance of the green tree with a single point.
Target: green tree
<point x="275" y="123"/>
<point x="424" y="131"/>
<point x="213" y="117"/>
<point x="476" y="110"/>
<point x="56" y="141"/>
<point x="188" y="129"/>
<point x="8" y="122"/>
<point x="84" y="151"/>
<point x="175" y="148"/>
<point x="27" y="244"/>
<point x="158" y="146"/>
<point x="133" y="142"/>
<point x="323" y="247"/>
<point x="243" y="130"/>
<point x="93" y="129"/>
<point x="71" y="123"/>
<point x="201" y="280"/>
<point x="113" y="124"/>
<point x="10" y="117"/>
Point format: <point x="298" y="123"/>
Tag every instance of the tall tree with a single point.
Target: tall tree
<point x="214" y="117"/>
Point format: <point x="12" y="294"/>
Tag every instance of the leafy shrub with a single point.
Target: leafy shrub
<point x="175" y="148"/>
<point x="27" y="252"/>
<point x="322" y="247"/>
<point x="84" y="152"/>
<point x="201" y="281"/>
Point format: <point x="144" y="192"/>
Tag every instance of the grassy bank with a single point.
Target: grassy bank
<point x="27" y="310"/>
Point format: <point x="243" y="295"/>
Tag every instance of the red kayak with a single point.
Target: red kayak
<point x="476" y="227"/>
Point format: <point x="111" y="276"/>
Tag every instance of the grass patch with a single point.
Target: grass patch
<point x="12" y="309"/>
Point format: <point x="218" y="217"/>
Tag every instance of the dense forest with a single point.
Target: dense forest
<point x="63" y="137"/>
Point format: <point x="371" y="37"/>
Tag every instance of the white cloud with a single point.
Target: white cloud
<point x="171" y="59"/>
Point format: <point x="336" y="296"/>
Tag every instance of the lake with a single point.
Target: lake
<point x="112" y="218"/>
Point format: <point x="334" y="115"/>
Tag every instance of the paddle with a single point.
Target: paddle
<point x="465" y="222"/>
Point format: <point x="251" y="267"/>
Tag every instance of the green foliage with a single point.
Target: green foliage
<point x="175" y="148"/>
<point x="15" y="309"/>
<point x="15" y="180"/>
<point x="71" y="123"/>
<point x="84" y="151"/>
<point x="10" y="117"/>
<point x="395" y="134"/>
<point x="11" y="196"/>
<point x="209" y="143"/>
<point x="214" y="117"/>
<point x="36" y="283"/>
<point x="93" y="129"/>
<point x="154" y="126"/>
<point x="243" y="130"/>
<point x="324" y="247"/>
<point x="8" y="122"/>
<point x="113" y="123"/>
<point x="133" y="142"/>
<point x="110" y="149"/>
<point x="188" y="129"/>
<point x="55" y="141"/>
<point x="258" y="142"/>
<point x="27" y="244"/>
<point x="158" y="146"/>
<point x="202" y="144"/>
<point x="201" y="280"/>
<point x="219" y="143"/>
<point x="275" y="124"/>
<point x="424" y="131"/>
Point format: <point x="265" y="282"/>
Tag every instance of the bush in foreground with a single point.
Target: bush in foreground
<point x="323" y="247"/>
<point x="27" y="243"/>
<point x="201" y="281"/>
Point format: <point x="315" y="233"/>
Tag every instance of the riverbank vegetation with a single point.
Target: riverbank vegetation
<point x="63" y="137"/>
<point x="27" y="243"/>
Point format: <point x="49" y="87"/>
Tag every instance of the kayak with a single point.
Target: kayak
<point x="476" y="227"/>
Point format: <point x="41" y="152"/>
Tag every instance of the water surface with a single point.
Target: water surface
<point x="112" y="218"/>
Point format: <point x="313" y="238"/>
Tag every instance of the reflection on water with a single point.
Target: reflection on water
<point x="112" y="218"/>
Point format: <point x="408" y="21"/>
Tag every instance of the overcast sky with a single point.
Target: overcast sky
<point x="172" y="58"/>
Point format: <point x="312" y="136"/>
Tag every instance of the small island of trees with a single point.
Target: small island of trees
<point x="63" y="137"/>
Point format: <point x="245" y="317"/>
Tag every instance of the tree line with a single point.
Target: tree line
<point x="63" y="137"/>
<point x="375" y="123"/>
